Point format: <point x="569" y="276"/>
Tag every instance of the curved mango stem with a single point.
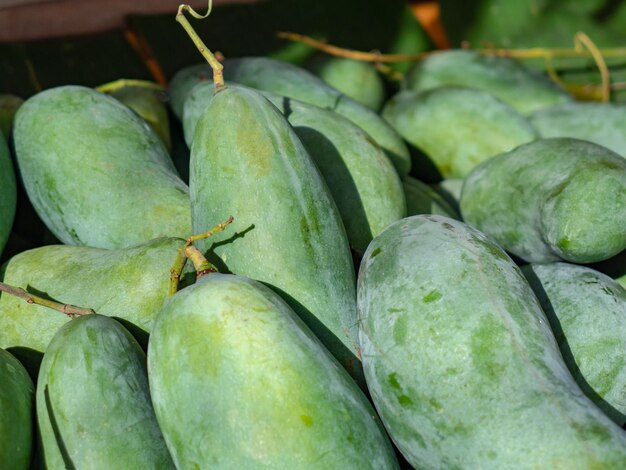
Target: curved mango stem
<point x="188" y="251"/>
<point x="126" y="82"/>
<point x="67" y="309"/>
<point x="218" y="76"/>
<point x="580" y="40"/>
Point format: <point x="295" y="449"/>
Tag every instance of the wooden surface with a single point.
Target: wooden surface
<point x="25" y="20"/>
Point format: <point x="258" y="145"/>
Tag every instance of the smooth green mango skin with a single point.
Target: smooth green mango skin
<point x="182" y="83"/>
<point x="460" y="360"/>
<point x="8" y="193"/>
<point x="17" y="396"/>
<point x="361" y="179"/>
<point x="246" y="161"/>
<point x="450" y="189"/>
<point x="9" y="105"/>
<point x="519" y="86"/>
<point x="457" y="128"/>
<point x="238" y="381"/>
<point x="551" y="199"/>
<point x="600" y="123"/>
<point x="357" y="79"/>
<point x="587" y="313"/>
<point x="93" y="401"/>
<point x="294" y="82"/>
<point x="95" y="172"/>
<point x="147" y="104"/>
<point x="422" y="199"/>
<point x="131" y="284"/>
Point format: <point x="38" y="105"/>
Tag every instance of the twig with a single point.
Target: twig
<point x="67" y="309"/>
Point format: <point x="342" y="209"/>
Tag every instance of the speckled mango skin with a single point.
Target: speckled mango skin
<point x="8" y="193"/>
<point x="422" y="199"/>
<point x="93" y="402"/>
<point x="294" y="82"/>
<point x="238" y="381"/>
<point x="361" y="179"/>
<point x="509" y="80"/>
<point x="551" y="199"/>
<point x="460" y="360"/>
<point x="95" y="172"/>
<point x="587" y="313"/>
<point x="17" y="398"/>
<point x="246" y="161"/>
<point x="600" y="123"/>
<point x="457" y="128"/>
<point x="131" y="284"/>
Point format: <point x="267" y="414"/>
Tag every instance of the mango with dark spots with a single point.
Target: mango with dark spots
<point x="238" y="381"/>
<point x="93" y="402"/>
<point x="8" y="193"/>
<point x="549" y="200"/>
<point x="460" y="360"/>
<point x="95" y="172"/>
<point x="17" y="399"/>
<point x="247" y="161"/>
<point x="587" y="313"/>
<point x="361" y="179"/>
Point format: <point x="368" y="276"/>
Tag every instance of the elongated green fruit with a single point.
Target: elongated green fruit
<point x="17" y="397"/>
<point x="356" y="79"/>
<point x="95" y="172"/>
<point x="460" y="360"/>
<point x="247" y="161"/>
<point x="456" y="128"/>
<point x="551" y="199"/>
<point x="131" y="284"/>
<point x="297" y="83"/>
<point x="587" y="313"/>
<point x="362" y="181"/>
<point x="422" y="199"/>
<point x="600" y="123"/>
<point x="8" y="193"/>
<point x="238" y="381"/>
<point x="93" y="402"/>
<point x="511" y="81"/>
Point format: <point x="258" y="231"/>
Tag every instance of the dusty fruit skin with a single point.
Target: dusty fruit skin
<point x="93" y="402"/>
<point x="551" y="199"/>
<point x="361" y="179"/>
<point x="238" y="381"/>
<point x="600" y="123"/>
<point x="95" y="172"/>
<point x="461" y="362"/>
<point x="246" y="161"/>
<point x="457" y="128"/>
<point x="131" y="283"/>
<point x="294" y="82"/>
<point x="587" y="313"/>
<point x="17" y="396"/>
<point x="8" y="193"/>
<point x="519" y="86"/>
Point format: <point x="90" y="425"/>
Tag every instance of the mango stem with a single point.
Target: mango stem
<point x="218" y="75"/>
<point x="67" y="309"/>
<point x="199" y="261"/>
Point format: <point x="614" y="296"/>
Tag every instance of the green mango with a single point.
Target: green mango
<point x="130" y="284"/>
<point x="551" y="199"/>
<point x="587" y="312"/>
<point x="95" y="172"/>
<point x="356" y="79"/>
<point x="600" y="123"/>
<point x="246" y="161"/>
<point x="8" y="193"/>
<point x="148" y="104"/>
<point x="456" y="128"/>
<point x="238" y="381"/>
<point x="93" y="402"/>
<point x="294" y="82"/>
<point x="17" y="396"/>
<point x="9" y="105"/>
<point x="362" y="181"/>
<point x="422" y="199"/>
<point x="460" y="361"/>
<point x="519" y="86"/>
<point x="450" y="189"/>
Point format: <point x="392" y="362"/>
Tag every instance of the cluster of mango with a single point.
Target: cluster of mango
<point x="469" y="360"/>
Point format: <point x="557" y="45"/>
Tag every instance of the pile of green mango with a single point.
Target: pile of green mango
<point x="336" y="270"/>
